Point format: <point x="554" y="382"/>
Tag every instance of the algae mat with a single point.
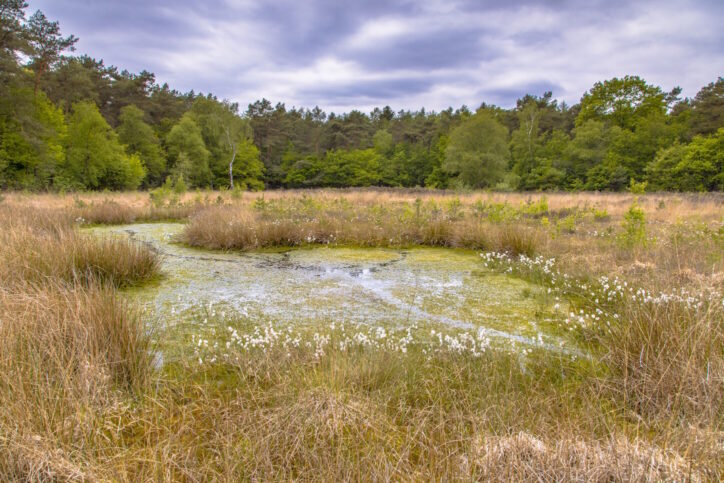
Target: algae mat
<point x="397" y="288"/>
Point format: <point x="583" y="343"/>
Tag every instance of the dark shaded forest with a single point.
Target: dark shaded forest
<point x="70" y="122"/>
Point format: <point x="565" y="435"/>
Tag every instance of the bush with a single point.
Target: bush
<point x="634" y="227"/>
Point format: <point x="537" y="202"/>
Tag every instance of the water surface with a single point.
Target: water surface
<point x="308" y="286"/>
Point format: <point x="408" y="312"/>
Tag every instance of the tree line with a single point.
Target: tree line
<point x="69" y="122"/>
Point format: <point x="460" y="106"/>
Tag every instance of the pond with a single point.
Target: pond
<point x="439" y="287"/>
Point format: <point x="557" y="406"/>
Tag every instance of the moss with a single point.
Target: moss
<point x="435" y="287"/>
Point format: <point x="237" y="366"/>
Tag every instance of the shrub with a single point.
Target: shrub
<point x="537" y="208"/>
<point x="634" y="227"/>
<point x="637" y="188"/>
<point x="567" y="224"/>
<point x="601" y="214"/>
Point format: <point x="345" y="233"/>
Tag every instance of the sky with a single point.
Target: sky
<point x="343" y="55"/>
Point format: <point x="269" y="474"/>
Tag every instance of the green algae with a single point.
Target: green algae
<point x="437" y="287"/>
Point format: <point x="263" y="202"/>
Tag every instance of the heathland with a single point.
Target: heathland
<point x="361" y="334"/>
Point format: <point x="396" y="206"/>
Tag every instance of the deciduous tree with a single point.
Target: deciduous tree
<point x="477" y="151"/>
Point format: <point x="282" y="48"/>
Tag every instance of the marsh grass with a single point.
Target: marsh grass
<point x="110" y="212"/>
<point x="67" y="354"/>
<point x="70" y="347"/>
<point x="80" y="400"/>
<point x="40" y="247"/>
<point x="376" y="415"/>
<point x="667" y="360"/>
<point x="235" y="227"/>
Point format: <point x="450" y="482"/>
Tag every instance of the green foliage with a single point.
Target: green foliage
<point x="337" y="169"/>
<point x="383" y="142"/>
<point x="637" y="188"/>
<point x="352" y="168"/>
<point x="586" y="150"/>
<point x="477" y="151"/>
<point x="624" y="129"/>
<point x="601" y="214"/>
<point x="496" y="212"/>
<point x="260" y="204"/>
<point x="238" y="192"/>
<point x="536" y="208"/>
<point x="32" y="131"/>
<point x="567" y="224"/>
<point x="248" y="169"/>
<point x="134" y="172"/>
<point x="168" y="193"/>
<point x="622" y="102"/>
<point x="634" y="227"/>
<point x="607" y="176"/>
<point x="698" y="166"/>
<point x="187" y="153"/>
<point x="707" y="109"/>
<point x="233" y="157"/>
<point x="179" y="186"/>
<point x="94" y="156"/>
<point x="532" y="166"/>
<point x="140" y="139"/>
<point x="45" y="45"/>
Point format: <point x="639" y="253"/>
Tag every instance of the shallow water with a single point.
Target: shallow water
<point x="436" y="286"/>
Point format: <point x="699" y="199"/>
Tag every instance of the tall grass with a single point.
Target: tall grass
<point x="79" y="399"/>
<point x="667" y="360"/>
<point x="235" y="227"/>
<point x="66" y="355"/>
<point x="70" y="348"/>
<point x="39" y="247"/>
<point x="110" y="212"/>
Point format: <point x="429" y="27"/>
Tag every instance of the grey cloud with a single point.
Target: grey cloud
<point x="372" y="89"/>
<point x="447" y="52"/>
<point x="502" y="96"/>
<point x="423" y="51"/>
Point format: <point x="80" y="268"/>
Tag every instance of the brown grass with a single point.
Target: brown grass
<point x="236" y="227"/>
<point x="40" y="246"/>
<point x="523" y="457"/>
<point x="668" y="360"/>
<point x="66" y="354"/>
<point x="110" y="212"/>
<point x="79" y="399"/>
<point x="661" y="207"/>
<point x="70" y="348"/>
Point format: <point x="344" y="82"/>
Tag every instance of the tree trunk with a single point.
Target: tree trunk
<point x="231" y="170"/>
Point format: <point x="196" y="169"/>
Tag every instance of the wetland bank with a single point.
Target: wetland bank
<point x="361" y="334"/>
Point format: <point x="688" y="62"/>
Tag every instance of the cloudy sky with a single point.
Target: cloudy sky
<point x="344" y="55"/>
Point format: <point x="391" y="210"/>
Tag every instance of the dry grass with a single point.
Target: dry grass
<point x="523" y="457"/>
<point x="70" y="348"/>
<point x="237" y="227"/>
<point x="79" y="399"/>
<point x="661" y="207"/>
<point x="110" y="212"/>
<point x="667" y="360"/>
<point x="40" y="246"/>
<point x="66" y="355"/>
